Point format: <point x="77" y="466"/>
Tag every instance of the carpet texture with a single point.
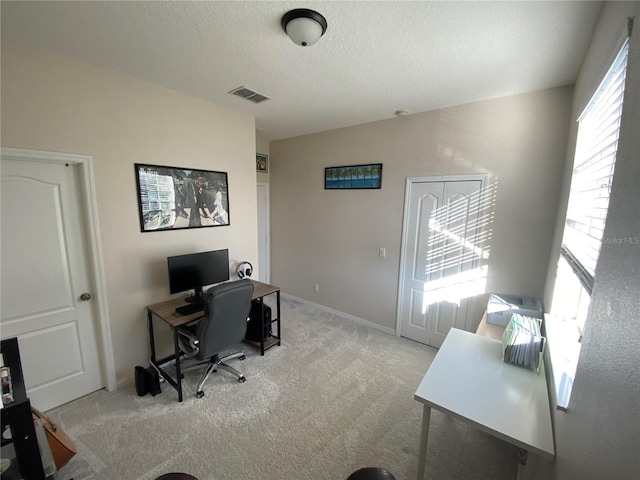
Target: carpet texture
<point x="335" y="397"/>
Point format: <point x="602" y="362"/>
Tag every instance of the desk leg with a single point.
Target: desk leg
<point x="261" y="301"/>
<point x="278" y="312"/>
<point x="177" y="384"/>
<point x="424" y="438"/>
<point x="152" y="343"/>
<point x="176" y="351"/>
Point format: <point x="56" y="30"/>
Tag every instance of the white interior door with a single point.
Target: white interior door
<point x="264" y="267"/>
<point x="440" y="263"/>
<point x="45" y="277"/>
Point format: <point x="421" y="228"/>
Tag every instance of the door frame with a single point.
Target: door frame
<point x="267" y="223"/>
<point x="89" y="208"/>
<point x="484" y="180"/>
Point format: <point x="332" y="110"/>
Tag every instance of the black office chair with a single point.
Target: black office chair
<point x="224" y="324"/>
<point x="371" y="473"/>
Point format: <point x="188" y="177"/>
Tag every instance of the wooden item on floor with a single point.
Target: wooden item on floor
<point x="62" y="448"/>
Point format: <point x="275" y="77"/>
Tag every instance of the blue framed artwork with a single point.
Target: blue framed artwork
<point x="353" y="177"/>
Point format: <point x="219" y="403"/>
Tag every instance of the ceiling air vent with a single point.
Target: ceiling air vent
<point x="249" y="94"/>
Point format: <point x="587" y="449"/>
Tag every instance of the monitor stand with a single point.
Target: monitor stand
<point x="197" y="297"/>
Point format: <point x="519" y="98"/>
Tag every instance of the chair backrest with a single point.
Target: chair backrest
<point x="226" y="310"/>
<point x="371" y="473"/>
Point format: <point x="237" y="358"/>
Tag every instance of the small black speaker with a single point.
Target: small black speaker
<point x="141" y="383"/>
<point x="147" y="381"/>
<point x="253" y="326"/>
<point x="153" y="381"/>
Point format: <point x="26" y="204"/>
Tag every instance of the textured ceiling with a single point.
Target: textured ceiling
<point x="375" y="58"/>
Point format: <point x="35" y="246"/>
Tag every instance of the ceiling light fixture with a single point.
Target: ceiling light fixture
<point x="304" y="26"/>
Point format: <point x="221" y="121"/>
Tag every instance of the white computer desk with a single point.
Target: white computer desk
<point x="468" y="380"/>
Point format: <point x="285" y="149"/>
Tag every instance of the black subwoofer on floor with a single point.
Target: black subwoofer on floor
<point x="253" y="326"/>
<point x="147" y="381"/>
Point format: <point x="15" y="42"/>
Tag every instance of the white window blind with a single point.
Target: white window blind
<point x="593" y="168"/>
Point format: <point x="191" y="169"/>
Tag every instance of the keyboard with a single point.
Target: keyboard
<point x="190" y="308"/>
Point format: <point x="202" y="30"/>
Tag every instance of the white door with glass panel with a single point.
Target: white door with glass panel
<point x="46" y="291"/>
<point x="443" y="243"/>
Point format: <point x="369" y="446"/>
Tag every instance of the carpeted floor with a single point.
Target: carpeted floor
<point x="335" y="397"/>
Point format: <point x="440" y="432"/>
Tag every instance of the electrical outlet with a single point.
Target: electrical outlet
<point x="316" y="287"/>
<point x="383" y="252"/>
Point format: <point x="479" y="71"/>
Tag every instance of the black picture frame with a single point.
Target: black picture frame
<point x="353" y="177"/>
<point x="174" y="198"/>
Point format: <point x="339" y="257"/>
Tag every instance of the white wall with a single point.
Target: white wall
<point x="333" y="237"/>
<point x="55" y="104"/>
<point x="599" y="435"/>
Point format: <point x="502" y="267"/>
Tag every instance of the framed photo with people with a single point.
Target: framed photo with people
<point x="174" y="198"/>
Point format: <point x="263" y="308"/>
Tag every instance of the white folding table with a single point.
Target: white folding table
<point x="468" y="380"/>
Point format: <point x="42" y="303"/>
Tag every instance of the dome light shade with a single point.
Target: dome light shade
<point x="304" y="26"/>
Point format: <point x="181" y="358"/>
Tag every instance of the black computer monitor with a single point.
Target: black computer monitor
<point x="197" y="270"/>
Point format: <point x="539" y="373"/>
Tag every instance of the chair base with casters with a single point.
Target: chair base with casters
<point x="188" y="343"/>
<point x="213" y="364"/>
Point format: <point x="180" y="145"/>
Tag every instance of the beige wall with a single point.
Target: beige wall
<point x="51" y="103"/>
<point x="333" y="237"/>
<point x="598" y="436"/>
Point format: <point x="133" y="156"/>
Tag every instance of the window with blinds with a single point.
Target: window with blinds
<point x="593" y="168"/>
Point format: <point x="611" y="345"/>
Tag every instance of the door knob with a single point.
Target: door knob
<point x="85" y="297"/>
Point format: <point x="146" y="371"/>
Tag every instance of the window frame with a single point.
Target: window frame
<point x="617" y="69"/>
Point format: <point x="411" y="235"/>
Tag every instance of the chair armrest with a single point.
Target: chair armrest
<point x="187" y="341"/>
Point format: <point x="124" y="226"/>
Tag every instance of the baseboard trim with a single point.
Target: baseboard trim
<point x="125" y="382"/>
<point x="353" y="318"/>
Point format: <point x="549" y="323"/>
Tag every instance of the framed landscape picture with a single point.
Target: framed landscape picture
<point x="353" y="177"/>
<point x="173" y="198"/>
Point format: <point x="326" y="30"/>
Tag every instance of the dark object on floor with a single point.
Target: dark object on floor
<point x="141" y="384"/>
<point x="371" y="473"/>
<point x="255" y="320"/>
<point x="147" y="381"/>
<point x="153" y="381"/>
<point x="176" y="476"/>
